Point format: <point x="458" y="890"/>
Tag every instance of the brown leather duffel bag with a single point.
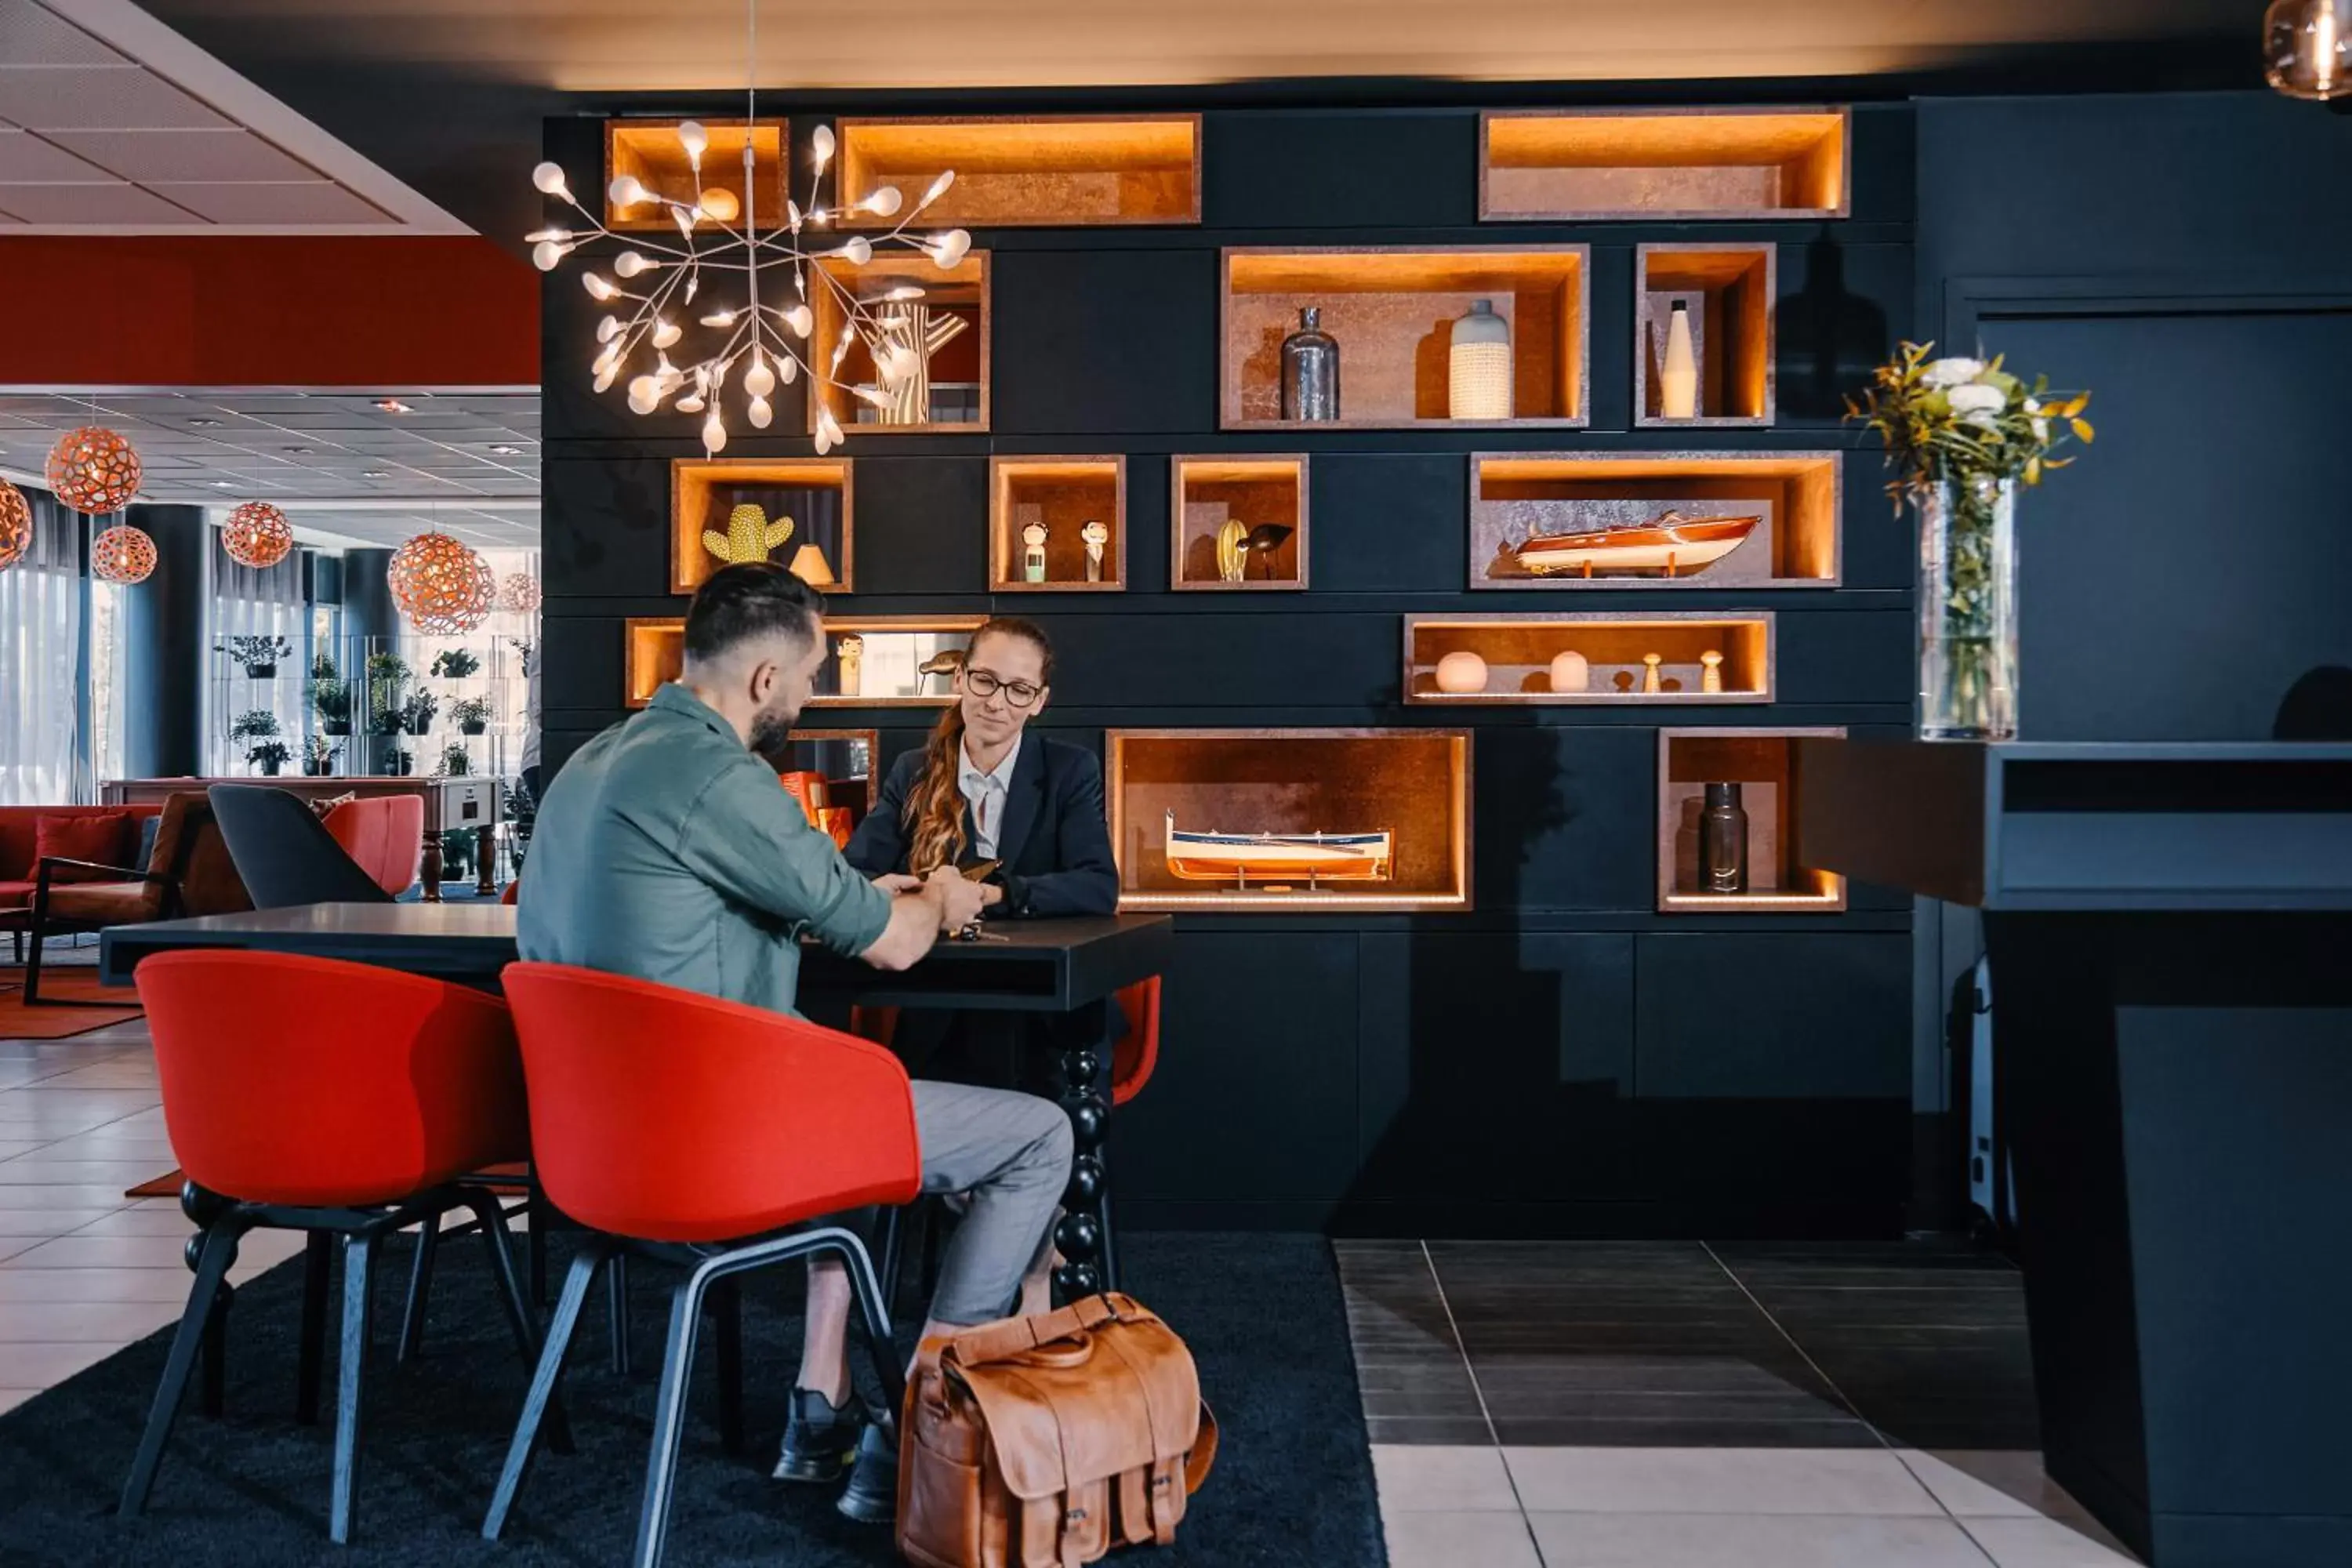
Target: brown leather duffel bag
<point x="1045" y="1442"/>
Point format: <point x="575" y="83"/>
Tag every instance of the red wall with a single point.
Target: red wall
<point x="267" y="312"/>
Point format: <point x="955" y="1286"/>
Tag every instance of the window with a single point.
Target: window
<point x="41" y="663"/>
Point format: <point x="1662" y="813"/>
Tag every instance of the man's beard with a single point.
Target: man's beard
<point x="771" y="731"/>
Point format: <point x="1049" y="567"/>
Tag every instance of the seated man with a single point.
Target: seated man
<point x="667" y="850"/>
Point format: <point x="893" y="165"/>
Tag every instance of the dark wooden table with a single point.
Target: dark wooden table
<point x="1057" y="966"/>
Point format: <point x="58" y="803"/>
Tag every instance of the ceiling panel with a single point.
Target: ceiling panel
<point x="27" y="159"/>
<point x="97" y="97"/>
<point x="142" y="155"/>
<point x="32" y="35"/>
<point x="314" y="202"/>
<point x="92" y="204"/>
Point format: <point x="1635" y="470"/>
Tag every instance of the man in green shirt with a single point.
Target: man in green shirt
<point x="667" y="850"/>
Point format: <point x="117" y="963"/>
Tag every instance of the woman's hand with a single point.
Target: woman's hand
<point x="991" y="895"/>
<point x="896" y="883"/>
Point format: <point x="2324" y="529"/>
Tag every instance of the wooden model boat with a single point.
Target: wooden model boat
<point x="1673" y="544"/>
<point x="1196" y="857"/>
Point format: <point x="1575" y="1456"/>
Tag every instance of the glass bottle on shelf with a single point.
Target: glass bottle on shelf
<point x="1310" y="369"/>
<point x="1723" y="841"/>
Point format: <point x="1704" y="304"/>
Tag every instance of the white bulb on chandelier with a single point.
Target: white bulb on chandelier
<point x="759" y="381"/>
<point x="903" y="291"/>
<point x="691" y="402"/>
<point x="609" y="358"/>
<point x="859" y="250"/>
<point x="547" y="255"/>
<point x="694" y="138"/>
<point x="724" y="319"/>
<point x="799" y="320"/>
<point x="788" y="370"/>
<point x="626" y="191"/>
<point x="714" y="434"/>
<point x="686" y="217"/>
<point x="549" y="178"/>
<point x="938" y="188"/>
<point x="885" y="200"/>
<point x="759" y="412"/>
<point x="873" y="395"/>
<point x="537" y="235"/>
<point x="666" y="333"/>
<point x="597" y="287"/>
<point x="949" y="249"/>
<point x="821" y="138"/>
<point x="644" y="394"/>
<point x="828" y="432"/>
<point x="605" y="376"/>
<point x="608" y="329"/>
<point x="628" y="264"/>
<point x="900" y="362"/>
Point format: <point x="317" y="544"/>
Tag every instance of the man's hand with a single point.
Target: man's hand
<point x="896" y="883"/>
<point x="960" y="902"/>
<point x="991" y="895"/>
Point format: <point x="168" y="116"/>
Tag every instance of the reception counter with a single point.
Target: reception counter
<point x="2169" y="930"/>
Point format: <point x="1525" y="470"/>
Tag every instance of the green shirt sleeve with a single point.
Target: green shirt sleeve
<point x="750" y="839"/>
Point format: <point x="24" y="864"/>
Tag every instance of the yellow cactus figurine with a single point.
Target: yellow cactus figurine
<point x="1230" y="555"/>
<point x="750" y="535"/>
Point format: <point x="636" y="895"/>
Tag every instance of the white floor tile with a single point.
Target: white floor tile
<point x="1750" y="1540"/>
<point x="1459" y="1541"/>
<point x="46" y="1366"/>
<point x="43" y="1224"/>
<point x="1717" y="1480"/>
<point x="51" y="1168"/>
<point x="103" y="1252"/>
<point x="1992" y="1483"/>
<point x="157" y="1285"/>
<point x="12" y="1147"/>
<point x="1442" y="1477"/>
<point x="12" y="1397"/>
<point x="149" y="1218"/>
<point x="111" y="1323"/>
<point x="2040" y="1544"/>
<point x="56" y="1195"/>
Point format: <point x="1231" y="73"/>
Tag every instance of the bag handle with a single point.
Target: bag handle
<point x="996" y="1342"/>
<point x="1204" y="1451"/>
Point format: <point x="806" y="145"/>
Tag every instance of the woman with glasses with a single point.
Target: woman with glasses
<point x="983" y="792"/>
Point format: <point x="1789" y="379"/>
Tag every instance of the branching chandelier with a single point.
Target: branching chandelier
<point x="765" y="337"/>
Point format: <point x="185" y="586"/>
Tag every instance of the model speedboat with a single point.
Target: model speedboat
<point x="1672" y="544"/>
<point x="1238" y="857"/>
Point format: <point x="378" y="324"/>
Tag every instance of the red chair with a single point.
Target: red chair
<point x="357" y="1136"/>
<point x="697" y="1133"/>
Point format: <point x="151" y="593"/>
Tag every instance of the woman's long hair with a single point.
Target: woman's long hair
<point x="934" y="817"/>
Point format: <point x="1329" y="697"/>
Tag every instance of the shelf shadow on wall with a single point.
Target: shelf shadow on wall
<point x="1831" y="338"/>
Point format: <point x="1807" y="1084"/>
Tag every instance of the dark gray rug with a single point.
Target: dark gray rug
<point x="1293" y="1482"/>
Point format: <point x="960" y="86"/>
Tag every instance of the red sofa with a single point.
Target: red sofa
<point x="16" y="832"/>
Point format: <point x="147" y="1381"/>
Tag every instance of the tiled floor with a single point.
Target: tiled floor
<point x="1677" y="1405"/>
<point x="1530" y="1404"/>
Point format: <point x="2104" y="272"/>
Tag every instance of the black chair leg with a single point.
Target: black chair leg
<point x="216" y="1371"/>
<point x="420" y="1282"/>
<point x="727" y="1305"/>
<point x="542" y="1384"/>
<point x="317" y="1254"/>
<point x="491" y="1219"/>
<point x="669" y="1418"/>
<point x="616" y="1312"/>
<point x="212" y="1268"/>
<point x="359" y="1253"/>
<point x="33" y="965"/>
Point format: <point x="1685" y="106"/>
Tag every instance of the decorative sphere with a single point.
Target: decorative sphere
<point x="122" y="554"/>
<point x="1078" y="1235"/>
<point x="1085" y="1178"/>
<point x="93" y="470"/>
<point x="442" y="587"/>
<point x="519" y="593"/>
<point x="15" y="525"/>
<point x="720" y="206"/>
<point x="257" y="535"/>
<point x="1077" y="1280"/>
<point x="201" y="1204"/>
<point x="549" y="178"/>
<point x="1461" y="672"/>
<point x="1569" y="672"/>
<point x="1082" y="1067"/>
<point x="1088" y="1120"/>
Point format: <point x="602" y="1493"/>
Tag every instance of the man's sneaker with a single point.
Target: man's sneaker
<point x="821" y="1438"/>
<point x="872" y="1496"/>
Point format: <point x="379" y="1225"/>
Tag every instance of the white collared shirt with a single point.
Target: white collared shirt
<point x="986" y="793"/>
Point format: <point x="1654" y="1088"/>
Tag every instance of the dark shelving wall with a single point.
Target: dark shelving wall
<point x="1560" y="1060"/>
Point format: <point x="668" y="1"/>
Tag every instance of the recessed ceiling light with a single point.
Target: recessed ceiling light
<point x="296" y="451"/>
<point x="503" y="450"/>
<point x="223" y="484"/>
<point x="376" y="474"/>
<point x="393" y="405"/>
<point x="203" y="424"/>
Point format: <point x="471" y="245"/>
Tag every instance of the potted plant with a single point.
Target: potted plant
<point x="417" y="713"/>
<point x="330" y="696"/>
<point x="455" y="762"/>
<point x="259" y="656"/>
<point x="472" y="715"/>
<point x="387" y="679"/>
<point x="396" y="763"/>
<point x="259" y="725"/>
<point x="270" y="756"/>
<point x="457" y="854"/>
<point x="318" y="754"/>
<point x="456" y="663"/>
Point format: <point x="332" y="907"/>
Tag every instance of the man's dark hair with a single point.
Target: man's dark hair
<point x="750" y="599"/>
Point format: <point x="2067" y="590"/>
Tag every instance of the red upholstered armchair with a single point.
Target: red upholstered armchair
<point x="189" y="873"/>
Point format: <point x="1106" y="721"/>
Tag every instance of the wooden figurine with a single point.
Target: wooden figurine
<point x="1713" y="680"/>
<point x="1033" y="552"/>
<point x="1650" y="662"/>
<point x="1093" y="535"/>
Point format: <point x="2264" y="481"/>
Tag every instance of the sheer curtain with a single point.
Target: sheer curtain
<point x="41" y="761"/>
<point x="247" y="602"/>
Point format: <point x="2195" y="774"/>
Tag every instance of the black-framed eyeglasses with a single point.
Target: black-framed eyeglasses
<point x="988" y="683"/>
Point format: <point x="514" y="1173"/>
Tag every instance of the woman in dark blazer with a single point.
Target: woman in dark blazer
<point x="984" y="790"/>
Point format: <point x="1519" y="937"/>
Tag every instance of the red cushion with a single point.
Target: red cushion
<point x="102" y="838"/>
<point x="16" y="895"/>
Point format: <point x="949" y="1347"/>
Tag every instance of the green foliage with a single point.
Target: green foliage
<point x="470" y="711"/>
<point x="319" y="750"/>
<point x="322" y="667"/>
<point x="269" y="753"/>
<point x="1964" y="419"/>
<point x="417" y="713"/>
<point x="255" y="724"/>
<point x="456" y="663"/>
<point x="455" y="762"/>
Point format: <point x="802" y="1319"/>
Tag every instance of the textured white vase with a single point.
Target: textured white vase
<point x="1569" y="672"/>
<point x="1678" y="376"/>
<point x="1478" y="370"/>
<point x="1461" y="673"/>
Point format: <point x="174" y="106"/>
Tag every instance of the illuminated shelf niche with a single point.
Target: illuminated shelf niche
<point x="959" y="371"/>
<point x="1254" y="491"/>
<point x="1606" y="164"/>
<point x="1730" y="291"/>
<point x="1064" y="494"/>
<point x="1518" y="651"/>
<point x="1763" y="763"/>
<point x="649" y="150"/>
<point x="814" y="492"/>
<point x="1066" y="172"/>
